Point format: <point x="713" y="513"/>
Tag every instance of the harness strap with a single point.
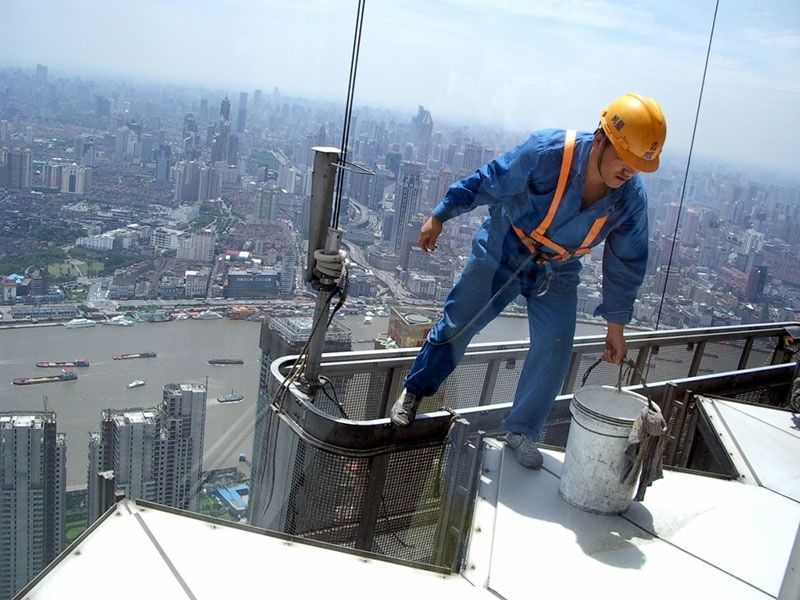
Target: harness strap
<point x="537" y="237"/>
<point x="566" y="163"/>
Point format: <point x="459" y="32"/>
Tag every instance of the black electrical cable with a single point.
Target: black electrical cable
<point x="348" y="112"/>
<point x="688" y="164"/>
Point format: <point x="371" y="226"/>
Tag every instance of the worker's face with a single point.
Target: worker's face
<point x="613" y="169"/>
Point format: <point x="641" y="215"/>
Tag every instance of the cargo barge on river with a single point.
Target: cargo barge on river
<point x="63" y="376"/>
<point x="225" y="361"/>
<point x="78" y="362"/>
<point x="134" y="355"/>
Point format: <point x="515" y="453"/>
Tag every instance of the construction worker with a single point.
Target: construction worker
<point x="550" y="200"/>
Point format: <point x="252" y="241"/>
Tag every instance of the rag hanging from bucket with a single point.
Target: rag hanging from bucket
<point x="645" y="448"/>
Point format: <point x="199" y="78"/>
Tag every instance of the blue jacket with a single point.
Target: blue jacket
<point x="518" y="186"/>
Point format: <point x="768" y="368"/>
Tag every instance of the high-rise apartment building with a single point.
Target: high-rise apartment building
<point x="76" y="179"/>
<point x="198" y="247"/>
<point x="85" y="150"/>
<point x="32" y="497"/>
<point x="126" y="445"/>
<point x="180" y="446"/>
<point x="16" y="167"/>
<point x="163" y="163"/>
<point x="121" y="142"/>
<point x="266" y="203"/>
<point x="156" y="454"/>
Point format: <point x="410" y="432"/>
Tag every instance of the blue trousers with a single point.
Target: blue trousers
<point x="551" y="323"/>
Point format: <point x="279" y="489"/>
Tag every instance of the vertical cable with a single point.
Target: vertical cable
<point x="688" y="164"/>
<point x="348" y="111"/>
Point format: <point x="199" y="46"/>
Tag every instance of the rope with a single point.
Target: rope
<point x="688" y="164"/>
<point x="348" y="111"/>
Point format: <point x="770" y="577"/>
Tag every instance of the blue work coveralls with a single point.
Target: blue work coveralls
<point x="517" y="187"/>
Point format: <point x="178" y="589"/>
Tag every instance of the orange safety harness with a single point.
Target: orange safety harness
<point x="537" y="238"/>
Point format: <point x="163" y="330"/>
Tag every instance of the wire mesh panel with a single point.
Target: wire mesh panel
<point x="410" y="504"/>
<point x="761" y="352"/>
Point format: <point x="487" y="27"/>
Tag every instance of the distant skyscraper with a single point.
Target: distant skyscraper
<point x="266" y="202"/>
<point x="121" y="142"/>
<point x="689" y="227"/>
<point x="472" y="158"/>
<point x="241" y="117"/>
<point x="102" y="107"/>
<point x="198" y="247"/>
<point x="204" y="112"/>
<point x="406" y="201"/>
<point x="423" y="129"/>
<point x="18" y="168"/>
<point x="163" y="163"/>
<point x="756" y="280"/>
<point x="225" y="109"/>
<point x="32" y="497"/>
<point x="125" y="445"/>
<point x="5" y="134"/>
<point x="673" y="213"/>
<point x="41" y="74"/>
<point x="76" y="179"/>
<point x="220" y="147"/>
<point x="84" y="150"/>
<point x="288" y="264"/>
<point x="147" y="142"/>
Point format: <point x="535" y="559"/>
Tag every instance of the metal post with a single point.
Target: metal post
<point x="322" y="180"/>
<point x="326" y="290"/>
<point x="320" y="237"/>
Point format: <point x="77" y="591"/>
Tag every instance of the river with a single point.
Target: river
<point x="183" y="348"/>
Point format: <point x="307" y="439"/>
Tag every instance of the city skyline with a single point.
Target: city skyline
<point x="460" y="59"/>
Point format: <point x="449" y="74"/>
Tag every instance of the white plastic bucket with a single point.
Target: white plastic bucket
<point x="602" y="419"/>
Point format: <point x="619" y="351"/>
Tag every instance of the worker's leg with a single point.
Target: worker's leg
<point x="483" y="276"/>
<point x="551" y="319"/>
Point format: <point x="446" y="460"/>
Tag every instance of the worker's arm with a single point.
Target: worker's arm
<point x="504" y="177"/>
<point x="616" y="347"/>
<point x="625" y="261"/>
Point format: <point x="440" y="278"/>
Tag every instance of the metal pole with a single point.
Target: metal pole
<point x="320" y="237"/>
<point x="327" y="286"/>
<point x="322" y="180"/>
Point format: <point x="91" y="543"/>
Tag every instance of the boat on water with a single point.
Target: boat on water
<point x="368" y="319"/>
<point x="134" y="355"/>
<point x="225" y="361"/>
<point x="78" y="362"/>
<point x="121" y="320"/>
<point x="207" y="315"/>
<point x="234" y="396"/>
<point x="136" y="383"/>
<point x="79" y="323"/>
<point x="63" y="376"/>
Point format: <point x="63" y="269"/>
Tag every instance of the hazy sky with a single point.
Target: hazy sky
<point x="521" y="64"/>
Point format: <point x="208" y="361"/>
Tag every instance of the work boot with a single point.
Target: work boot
<point x="525" y="450"/>
<point x="404" y="409"/>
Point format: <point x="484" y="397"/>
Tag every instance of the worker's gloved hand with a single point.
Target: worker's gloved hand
<point x="616" y="347"/>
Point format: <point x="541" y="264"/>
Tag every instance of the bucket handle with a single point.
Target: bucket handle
<point x="626" y="362"/>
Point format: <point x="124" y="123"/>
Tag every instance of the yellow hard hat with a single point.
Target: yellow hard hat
<point x="637" y="129"/>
